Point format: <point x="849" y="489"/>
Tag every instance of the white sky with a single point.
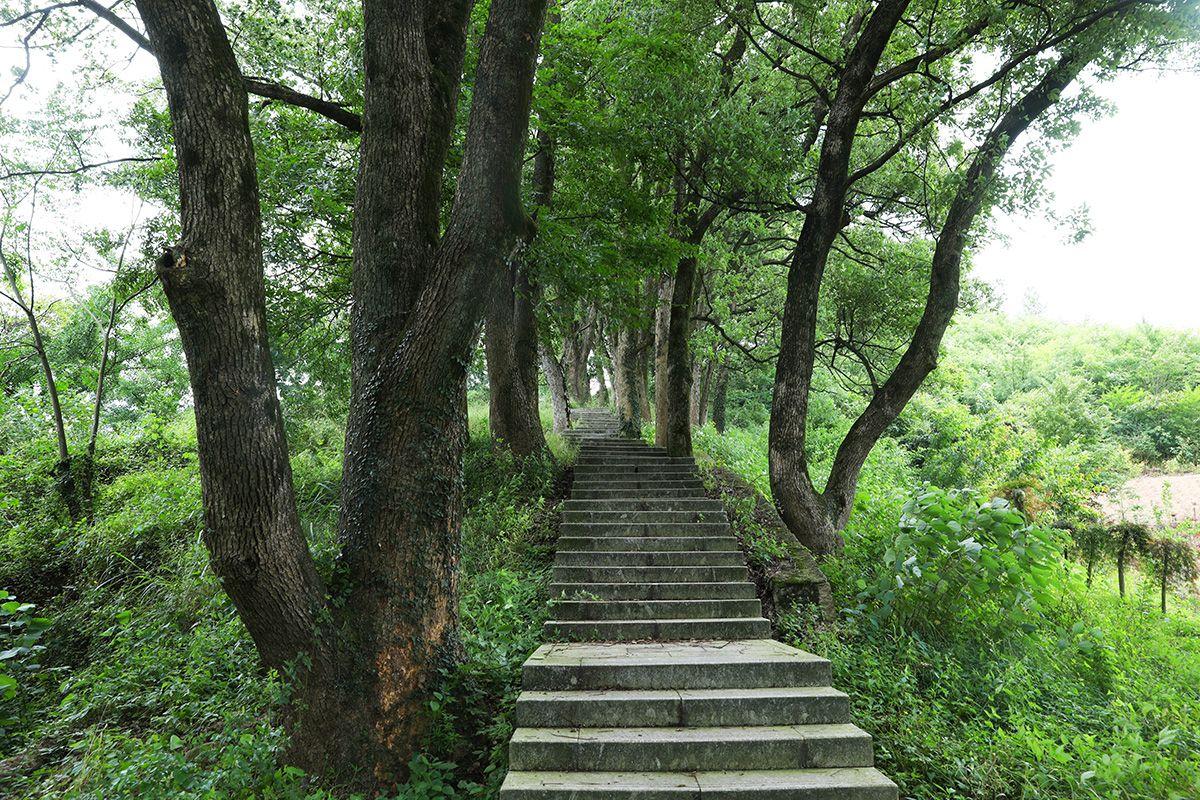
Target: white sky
<point x="1139" y="173"/>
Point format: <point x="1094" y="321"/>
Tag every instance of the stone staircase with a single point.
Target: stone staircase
<point x="662" y="681"/>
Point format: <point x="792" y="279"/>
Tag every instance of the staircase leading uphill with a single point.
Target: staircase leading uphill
<point x="664" y="683"/>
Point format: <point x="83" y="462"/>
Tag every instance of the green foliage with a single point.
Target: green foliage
<point x="957" y="556"/>
<point x="20" y="653"/>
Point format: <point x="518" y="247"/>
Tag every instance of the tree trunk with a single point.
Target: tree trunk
<point x="577" y="349"/>
<point x="679" y="361"/>
<point x="702" y="382"/>
<point x="628" y="382"/>
<point x="1121" y="571"/>
<point x="662" y="332"/>
<point x="719" y="396"/>
<point x="510" y="344"/>
<point x="364" y="682"/>
<point x="645" y="350"/>
<point x="694" y="395"/>
<point x="602" y="361"/>
<point x="556" y="383"/>
<point x="1166" y="566"/>
<point x="401" y="491"/>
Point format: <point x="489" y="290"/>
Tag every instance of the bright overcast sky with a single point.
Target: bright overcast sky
<point x="1139" y="173"/>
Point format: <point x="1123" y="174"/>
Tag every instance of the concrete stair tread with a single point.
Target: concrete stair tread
<point x="627" y="610"/>
<point x="734" y="693"/>
<point x="848" y="783"/>
<point x="678" y="590"/>
<point x="688" y="629"/>
<point x="649" y="736"/>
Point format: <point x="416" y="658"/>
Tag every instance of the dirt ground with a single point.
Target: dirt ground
<point x="1138" y="499"/>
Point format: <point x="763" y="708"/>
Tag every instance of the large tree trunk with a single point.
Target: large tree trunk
<point x="577" y="349"/>
<point x="510" y="343"/>
<point x="795" y="496"/>
<point x="798" y="501"/>
<point x="365" y="677"/>
<point x="602" y="361"/>
<point x="628" y="382"/>
<point x="401" y="497"/>
<point x="213" y="282"/>
<point x="719" y="396"/>
<point x="679" y="360"/>
<point x="662" y="332"/>
<point x="556" y="382"/>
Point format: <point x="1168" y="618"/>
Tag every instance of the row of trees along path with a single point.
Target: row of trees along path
<point x="662" y="679"/>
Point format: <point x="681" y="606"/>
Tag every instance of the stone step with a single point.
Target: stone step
<point x="636" y="483"/>
<point x="603" y="472"/>
<point x="754" y="664"/>
<point x="625" y="574"/>
<point x="629" y="543"/>
<point x="639" y="503"/>
<point x="666" y="491"/>
<point x="645" y="517"/>
<point x="643" y="528"/>
<point x="674" y="708"/>
<point x="661" y="630"/>
<point x="855" y="783"/>
<point x="605" y="610"/>
<point x="727" y="590"/>
<point x="649" y="558"/>
<point x="686" y="749"/>
<point x="634" y="459"/>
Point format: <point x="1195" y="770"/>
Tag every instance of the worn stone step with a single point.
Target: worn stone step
<point x="759" y="663"/>
<point x="666" y="491"/>
<point x="643" y="529"/>
<point x="678" y="708"/>
<point x="649" y="558"/>
<point x="644" y="517"/>
<point x="629" y="543"/>
<point x="604" y="610"/>
<point x="625" y="574"/>
<point x="751" y="747"/>
<point x="606" y="471"/>
<point x="854" y="783"/>
<point x="634" y="459"/>
<point x="656" y="629"/>
<point x="630" y="503"/>
<point x="727" y="590"/>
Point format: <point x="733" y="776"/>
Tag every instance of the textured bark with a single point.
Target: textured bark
<point x="817" y="517"/>
<point x="628" y="382"/>
<point x="679" y="360"/>
<point x="719" y="396"/>
<point x="802" y="508"/>
<point x="700" y="409"/>
<point x="362" y="695"/>
<point x="603" y="364"/>
<point x="403" y="467"/>
<point x="510" y="344"/>
<point x="662" y="331"/>
<point x="577" y="349"/>
<point x="556" y="382"/>
<point x="213" y="282"/>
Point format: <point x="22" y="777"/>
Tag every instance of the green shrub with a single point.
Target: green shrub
<point x="957" y="556"/>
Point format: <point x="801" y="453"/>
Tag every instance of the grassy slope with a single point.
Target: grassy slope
<point x="1107" y="709"/>
<point x="149" y="686"/>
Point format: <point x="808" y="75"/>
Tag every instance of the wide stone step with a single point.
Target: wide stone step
<point x="634" y="459"/>
<point x="728" y="590"/>
<point x="644" y="517"/>
<point x="630" y="543"/>
<point x="649" y="558"/>
<point x="692" y="748"/>
<point x="855" y="783"/>
<point x="602" y="472"/>
<point x="672" y="708"/>
<point x="633" y="484"/>
<point x="664" y="491"/>
<point x="615" y="574"/>
<point x="643" y="529"/>
<point x="629" y="503"/>
<point x="759" y="663"/>
<point x="656" y="629"/>
<point x="604" y="610"/>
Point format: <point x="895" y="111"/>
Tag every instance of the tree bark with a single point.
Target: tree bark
<point x="628" y="382"/>
<point x="577" y="349"/>
<point x="719" y="396"/>
<point x="602" y="360"/>
<point x="556" y="382"/>
<point x="213" y="281"/>
<point x="662" y="332"/>
<point x="372" y="657"/>
<point x="401" y="492"/>
<point x="510" y="344"/>
<point x="799" y="502"/>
